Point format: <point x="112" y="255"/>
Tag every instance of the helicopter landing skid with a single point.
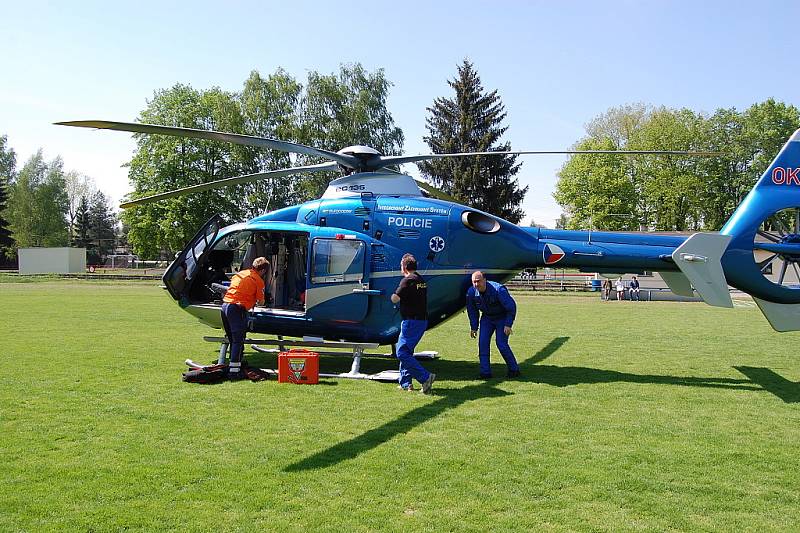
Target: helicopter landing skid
<point x="358" y="352"/>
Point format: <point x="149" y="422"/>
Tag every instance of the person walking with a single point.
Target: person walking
<point x="497" y="311"/>
<point x="412" y="295"/>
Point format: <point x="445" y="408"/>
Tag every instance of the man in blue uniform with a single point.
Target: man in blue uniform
<point x="634" y="289"/>
<point x="412" y="295"/>
<point x="497" y="312"/>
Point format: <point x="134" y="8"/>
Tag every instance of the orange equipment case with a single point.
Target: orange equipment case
<point x="298" y="366"/>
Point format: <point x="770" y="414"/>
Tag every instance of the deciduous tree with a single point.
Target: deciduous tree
<point x="334" y="111"/>
<point x="345" y="109"/>
<point x="597" y="190"/>
<point x="37" y="204"/>
<point x="163" y="163"/>
<point x="269" y="108"/>
<point x="672" y="192"/>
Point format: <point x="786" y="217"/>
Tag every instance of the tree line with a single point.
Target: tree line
<point x="670" y="193"/>
<point x="327" y="111"/>
<point x="47" y="206"/>
<point x="42" y="204"/>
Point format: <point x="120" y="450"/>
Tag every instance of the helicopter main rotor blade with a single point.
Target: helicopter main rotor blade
<point x="237" y="180"/>
<point x="235" y="138"/>
<point x="400" y="159"/>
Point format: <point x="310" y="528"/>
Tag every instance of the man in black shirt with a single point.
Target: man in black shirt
<point x="412" y="295"/>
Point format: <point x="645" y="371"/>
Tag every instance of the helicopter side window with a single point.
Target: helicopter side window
<point x="337" y="260"/>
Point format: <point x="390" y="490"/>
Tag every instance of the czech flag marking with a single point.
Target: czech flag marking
<point x="552" y="254"/>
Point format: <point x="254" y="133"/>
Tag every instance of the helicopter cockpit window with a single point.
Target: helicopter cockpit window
<point x="235" y="246"/>
<point x="337" y="260"/>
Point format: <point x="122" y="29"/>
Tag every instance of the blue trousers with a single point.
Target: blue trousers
<point x="411" y="332"/>
<point x="489" y="326"/>
<point x="234" y="320"/>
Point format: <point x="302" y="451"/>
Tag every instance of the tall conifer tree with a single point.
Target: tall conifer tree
<point x="101" y="224"/>
<point x="8" y="161"/>
<point x="81" y="227"/>
<point x="471" y="121"/>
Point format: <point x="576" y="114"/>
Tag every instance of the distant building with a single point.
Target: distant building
<point x="52" y="260"/>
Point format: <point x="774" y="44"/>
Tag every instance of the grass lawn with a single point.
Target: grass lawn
<point x="645" y="416"/>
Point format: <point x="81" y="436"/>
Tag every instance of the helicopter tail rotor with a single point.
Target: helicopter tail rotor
<point x="763" y="255"/>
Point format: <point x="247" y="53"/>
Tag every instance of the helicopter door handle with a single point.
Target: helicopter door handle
<point x="368" y="291"/>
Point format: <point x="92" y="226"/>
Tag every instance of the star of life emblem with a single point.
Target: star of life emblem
<point x="436" y="244"/>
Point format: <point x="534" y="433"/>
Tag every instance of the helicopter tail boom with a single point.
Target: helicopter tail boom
<point x="757" y="251"/>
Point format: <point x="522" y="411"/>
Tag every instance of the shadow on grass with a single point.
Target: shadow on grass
<point x="450" y="399"/>
<point x="531" y="373"/>
<point x="349" y="449"/>
<point x="564" y="376"/>
<point x="788" y="391"/>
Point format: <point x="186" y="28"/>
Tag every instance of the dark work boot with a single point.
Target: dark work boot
<point x="235" y="372"/>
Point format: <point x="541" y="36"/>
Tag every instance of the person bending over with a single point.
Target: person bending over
<point x="497" y="311"/>
<point x="246" y="290"/>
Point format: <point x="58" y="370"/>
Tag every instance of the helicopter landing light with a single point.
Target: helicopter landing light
<point x="692" y="258"/>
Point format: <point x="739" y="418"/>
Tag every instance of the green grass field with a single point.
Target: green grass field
<point x="629" y="416"/>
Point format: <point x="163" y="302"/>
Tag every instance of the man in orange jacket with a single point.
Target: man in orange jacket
<point x="246" y="290"/>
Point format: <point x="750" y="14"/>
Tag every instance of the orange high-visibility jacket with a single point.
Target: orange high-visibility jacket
<point x="246" y="288"/>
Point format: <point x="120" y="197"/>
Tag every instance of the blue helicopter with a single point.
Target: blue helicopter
<point x="336" y="259"/>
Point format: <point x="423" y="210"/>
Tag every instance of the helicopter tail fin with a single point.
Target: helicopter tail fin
<point x="700" y="260"/>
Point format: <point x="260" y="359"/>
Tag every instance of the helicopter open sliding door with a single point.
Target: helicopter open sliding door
<point x="286" y="252"/>
<point x="336" y="280"/>
<point x="178" y="277"/>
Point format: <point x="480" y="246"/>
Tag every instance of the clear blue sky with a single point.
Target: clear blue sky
<point x="556" y="64"/>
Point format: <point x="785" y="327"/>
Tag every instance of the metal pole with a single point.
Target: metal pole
<point x="223" y="351"/>
<point x="356" y="367"/>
